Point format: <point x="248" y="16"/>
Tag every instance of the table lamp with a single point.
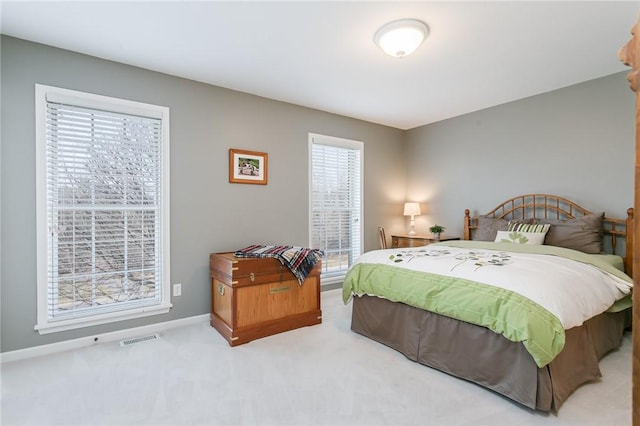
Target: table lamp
<point x="412" y="209"/>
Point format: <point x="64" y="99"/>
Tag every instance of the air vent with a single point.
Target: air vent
<point x="133" y="341"/>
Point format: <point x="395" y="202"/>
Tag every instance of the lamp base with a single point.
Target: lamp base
<point x="412" y="226"/>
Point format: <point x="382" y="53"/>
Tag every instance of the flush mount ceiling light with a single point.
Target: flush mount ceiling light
<point x="400" y="38"/>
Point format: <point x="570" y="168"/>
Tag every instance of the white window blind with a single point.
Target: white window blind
<point x="336" y="202"/>
<point x="105" y="207"/>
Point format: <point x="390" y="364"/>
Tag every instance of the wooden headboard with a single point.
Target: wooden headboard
<point x="545" y="206"/>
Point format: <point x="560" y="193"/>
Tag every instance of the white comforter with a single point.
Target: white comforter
<point x="572" y="290"/>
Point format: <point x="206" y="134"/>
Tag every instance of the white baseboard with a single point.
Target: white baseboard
<point x="128" y="333"/>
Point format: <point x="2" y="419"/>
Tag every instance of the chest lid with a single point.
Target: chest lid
<point x="233" y="270"/>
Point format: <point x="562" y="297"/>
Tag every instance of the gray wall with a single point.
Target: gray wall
<point x="208" y="214"/>
<point x="576" y="142"/>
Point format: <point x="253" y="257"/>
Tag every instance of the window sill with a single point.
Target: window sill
<point x="332" y="280"/>
<point x="71" y="324"/>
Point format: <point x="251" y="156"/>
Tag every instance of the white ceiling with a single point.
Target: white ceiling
<point x="321" y="54"/>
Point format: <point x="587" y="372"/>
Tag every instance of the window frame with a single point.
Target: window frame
<point x="314" y="138"/>
<point x="43" y="94"/>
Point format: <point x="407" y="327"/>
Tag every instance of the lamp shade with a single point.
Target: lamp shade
<point x="400" y="38"/>
<point x="411" y="209"/>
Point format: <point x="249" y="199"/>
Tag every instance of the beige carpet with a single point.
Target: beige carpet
<point x="319" y="375"/>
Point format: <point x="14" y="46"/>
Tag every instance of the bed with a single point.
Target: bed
<point x="461" y="316"/>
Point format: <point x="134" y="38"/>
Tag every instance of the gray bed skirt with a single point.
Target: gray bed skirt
<point x="486" y="358"/>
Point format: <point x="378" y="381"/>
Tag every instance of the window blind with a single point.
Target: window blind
<point x="336" y="203"/>
<point x="104" y="197"/>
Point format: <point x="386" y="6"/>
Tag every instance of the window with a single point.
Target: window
<point x="336" y="203"/>
<point x="102" y="188"/>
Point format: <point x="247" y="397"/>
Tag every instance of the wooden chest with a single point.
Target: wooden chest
<point x="257" y="297"/>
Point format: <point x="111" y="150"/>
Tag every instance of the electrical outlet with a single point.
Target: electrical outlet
<point x="177" y="289"/>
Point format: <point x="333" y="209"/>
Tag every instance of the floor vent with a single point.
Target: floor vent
<point x="133" y="341"/>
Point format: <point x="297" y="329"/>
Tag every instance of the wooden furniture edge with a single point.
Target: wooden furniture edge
<point x="264" y="329"/>
<point x="629" y="55"/>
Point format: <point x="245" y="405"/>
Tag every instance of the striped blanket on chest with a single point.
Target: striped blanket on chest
<point x="299" y="260"/>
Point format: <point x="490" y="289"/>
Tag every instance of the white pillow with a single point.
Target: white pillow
<point x="517" y="237"/>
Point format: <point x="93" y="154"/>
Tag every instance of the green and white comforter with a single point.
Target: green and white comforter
<point x="527" y="293"/>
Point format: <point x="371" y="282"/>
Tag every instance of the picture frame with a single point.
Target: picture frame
<point x="247" y="166"/>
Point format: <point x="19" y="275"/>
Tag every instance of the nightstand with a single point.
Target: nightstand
<point x="399" y="241"/>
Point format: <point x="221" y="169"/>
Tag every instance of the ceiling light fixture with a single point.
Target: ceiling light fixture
<point x="400" y="38"/>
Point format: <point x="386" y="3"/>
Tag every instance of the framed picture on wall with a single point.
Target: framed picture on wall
<point x="247" y="166"/>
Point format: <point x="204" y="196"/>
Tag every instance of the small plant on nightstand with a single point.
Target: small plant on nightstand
<point x="436" y="230"/>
